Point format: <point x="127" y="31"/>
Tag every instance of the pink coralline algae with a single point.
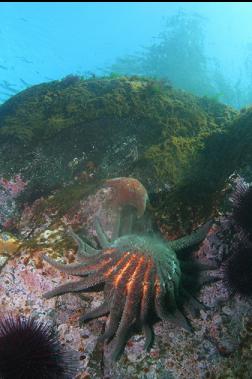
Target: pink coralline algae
<point x="14" y="185"/>
<point x="9" y="190"/>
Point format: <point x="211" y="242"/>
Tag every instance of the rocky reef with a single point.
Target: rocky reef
<point x="62" y="145"/>
<point x="56" y="132"/>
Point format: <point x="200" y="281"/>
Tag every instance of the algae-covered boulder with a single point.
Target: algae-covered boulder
<point x="74" y="128"/>
<point x="240" y="141"/>
<point x="226" y="152"/>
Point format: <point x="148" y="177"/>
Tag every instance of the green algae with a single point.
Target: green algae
<point x="225" y="152"/>
<point x="46" y="127"/>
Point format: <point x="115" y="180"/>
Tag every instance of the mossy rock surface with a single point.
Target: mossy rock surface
<point x="107" y="127"/>
<point x="225" y="152"/>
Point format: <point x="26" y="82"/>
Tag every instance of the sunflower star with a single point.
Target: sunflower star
<point x="143" y="280"/>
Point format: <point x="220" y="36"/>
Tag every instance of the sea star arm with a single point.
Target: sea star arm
<point x="192" y="239"/>
<point x="84" y="250"/>
<point x="127" y="218"/>
<point x="79" y="286"/>
<point x="101" y="235"/>
<point x="130" y="310"/>
<point x="78" y="269"/>
<point x="118" y="297"/>
<point x="146" y="302"/>
<point x="102" y="310"/>
<point x="97" y="264"/>
<point x="117" y="224"/>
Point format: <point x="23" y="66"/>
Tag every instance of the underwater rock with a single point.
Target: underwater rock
<point x="222" y="331"/>
<point x="10" y="189"/>
<point x="225" y="153"/>
<point x="51" y="132"/>
<point x="9" y="245"/>
<point x="21" y="288"/>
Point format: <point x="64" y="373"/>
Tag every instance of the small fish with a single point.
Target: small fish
<point x="3" y="67"/>
<point x="24" y="82"/>
<point x="11" y="90"/>
<point x="25" y="60"/>
<point x="5" y="84"/>
<point x="8" y="86"/>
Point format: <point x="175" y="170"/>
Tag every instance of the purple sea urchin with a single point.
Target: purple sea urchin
<point x="30" y="349"/>
<point x="142" y="278"/>
<point x="238" y="270"/>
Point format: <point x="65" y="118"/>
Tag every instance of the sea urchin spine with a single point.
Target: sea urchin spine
<point x="30" y="349"/>
<point x="238" y="270"/>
